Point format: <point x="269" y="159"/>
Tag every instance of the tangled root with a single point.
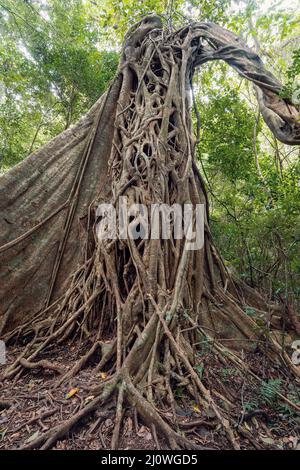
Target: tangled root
<point x="145" y="305"/>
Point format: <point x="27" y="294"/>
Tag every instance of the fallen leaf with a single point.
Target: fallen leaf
<point x="144" y="433"/>
<point x="210" y="413"/>
<point x="2" y="433"/>
<point x="267" y="440"/>
<point x="103" y="375"/>
<point x="294" y="441"/>
<point x="72" y="392"/>
<point x="248" y="428"/>
<point x="33" y="436"/>
<point x="90" y="398"/>
<point x="197" y="409"/>
<point x="128" y="427"/>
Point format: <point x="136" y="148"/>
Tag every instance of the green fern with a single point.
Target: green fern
<point x="251" y="405"/>
<point x="269" y="391"/>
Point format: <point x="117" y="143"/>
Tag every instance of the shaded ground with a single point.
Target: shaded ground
<point x="33" y="404"/>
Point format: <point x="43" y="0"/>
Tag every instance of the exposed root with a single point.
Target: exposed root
<point x="40" y="364"/>
<point x="46" y="440"/>
<point x="144" y="306"/>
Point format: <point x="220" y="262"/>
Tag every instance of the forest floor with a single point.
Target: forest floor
<point x="33" y="404"/>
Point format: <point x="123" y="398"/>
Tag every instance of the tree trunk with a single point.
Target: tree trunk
<point x="143" y="304"/>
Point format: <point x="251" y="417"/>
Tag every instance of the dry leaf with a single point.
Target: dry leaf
<point x="108" y="423"/>
<point x="89" y="398"/>
<point x="72" y="392"/>
<point x="267" y="440"/>
<point x="197" y="409"/>
<point x="103" y="375"/>
<point x="143" y="432"/>
<point x="32" y="437"/>
<point x="247" y="427"/>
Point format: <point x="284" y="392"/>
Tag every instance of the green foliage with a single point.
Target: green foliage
<point x="210" y="10"/>
<point x="268" y="395"/>
<point x="251" y="405"/>
<point x="227" y="126"/>
<point x="269" y="391"/>
<point x="253" y="182"/>
<point x="116" y="16"/>
<point x="251" y="312"/>
<point x="292" y="85"/>
<point x="179" y="392"/>
<point x="228" y="373"/>
<point x="205" y="346"/>
<point x="200" y="369"/>
<point x="52" y="71"/>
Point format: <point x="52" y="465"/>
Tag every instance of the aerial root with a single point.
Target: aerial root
<point x="165" y="356"/>
<point x="134" y="384"/>
<point x="44" y="364"/>
<point x="147" y="298"/>
<point x="119" y="415"/>
<point x="129" y="390"/>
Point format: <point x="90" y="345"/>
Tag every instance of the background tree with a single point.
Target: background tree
<point x="53" y="71"/>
